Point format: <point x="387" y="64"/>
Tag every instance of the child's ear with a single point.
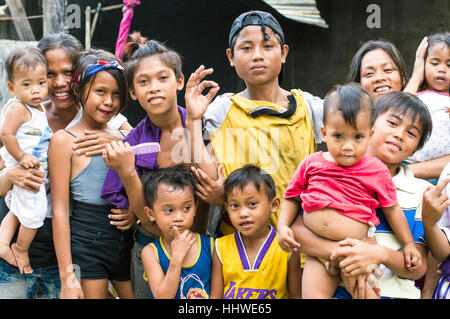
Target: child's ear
<point x="324" y="133"/>
<point x="285" y="53"/>
<point x="275" y="204"/>
<point x="11" y="88"/>
<point x="230" y="57"/>
<point x="180" y="83"/>
<point x="371" y="132"/>
<point x="149" y="213"/>
<point x="132" y="94"/>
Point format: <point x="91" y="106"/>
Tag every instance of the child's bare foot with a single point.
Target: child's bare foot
<point x="23" y="261"/>
<point x="7" y="254"/>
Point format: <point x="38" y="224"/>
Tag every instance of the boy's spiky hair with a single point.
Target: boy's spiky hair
<point x="250" y="174"/>
<point x="177" y="177"/>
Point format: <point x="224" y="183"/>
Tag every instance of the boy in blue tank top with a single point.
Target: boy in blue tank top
<point x="178" y="264"/>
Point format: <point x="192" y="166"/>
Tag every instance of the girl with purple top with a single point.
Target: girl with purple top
<point x="154" y="77"/>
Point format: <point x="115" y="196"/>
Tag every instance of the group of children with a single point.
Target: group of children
<point x="336" y="194"/>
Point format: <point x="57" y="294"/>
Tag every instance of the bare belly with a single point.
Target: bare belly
<point x="328" y="223"/>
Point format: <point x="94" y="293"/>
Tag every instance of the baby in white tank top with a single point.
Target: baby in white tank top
<point x="25" y="134"/>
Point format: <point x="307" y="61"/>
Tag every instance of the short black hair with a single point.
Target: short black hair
<point x="406" y="104"/>
<point x="247" y="174"/>
<point x="177" y="177"/>
<point x="22" y="59"/>
<point x="350" y="99"/>
<point x="255" y="17"/>
<point x="263" y="19"/>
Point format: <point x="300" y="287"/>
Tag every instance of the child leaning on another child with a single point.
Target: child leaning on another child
<point x="26" y="135"/>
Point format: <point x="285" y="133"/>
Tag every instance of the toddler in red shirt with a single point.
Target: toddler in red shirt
<point x="339" y="190"/>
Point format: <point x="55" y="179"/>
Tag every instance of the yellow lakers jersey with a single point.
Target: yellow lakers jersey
<point x="265" y="279"/>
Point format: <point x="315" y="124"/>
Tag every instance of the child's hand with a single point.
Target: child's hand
<point x="123" y="219"/>
<point x="286" y="239"/>
<point x="413" y="258"/>
<point x="209" y="190"/>
<point x="434" y="203"/>
<point x="182" y="242"/>
<point x="119" y="156"/>
<point x="419" y="62"/>
<point x="196" y="102"/>
<point x="29" y="161"/>
<point x="93" y="142"/>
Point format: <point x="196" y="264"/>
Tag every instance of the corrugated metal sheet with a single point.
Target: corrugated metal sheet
<point x="304" y="11"/>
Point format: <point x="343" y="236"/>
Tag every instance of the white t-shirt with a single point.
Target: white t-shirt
<point x="438" y="144"/>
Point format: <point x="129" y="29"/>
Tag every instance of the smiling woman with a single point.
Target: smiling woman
<point x="379" y="67"/>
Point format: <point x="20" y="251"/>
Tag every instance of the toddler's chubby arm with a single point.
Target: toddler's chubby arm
<point x="398" y="223"/>
<point x="15" y="116"/>
<point x="165" y="286"/>
<point x="289" y="210"/>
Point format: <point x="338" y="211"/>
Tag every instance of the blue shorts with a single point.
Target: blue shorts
<point x="13" y="285"/>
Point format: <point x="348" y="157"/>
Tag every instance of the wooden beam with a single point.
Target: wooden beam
<point x="94" y="22"/>
<point x="108" y="8"/>
<point x="54" y="15"/>
<point x="23" y="27"/>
